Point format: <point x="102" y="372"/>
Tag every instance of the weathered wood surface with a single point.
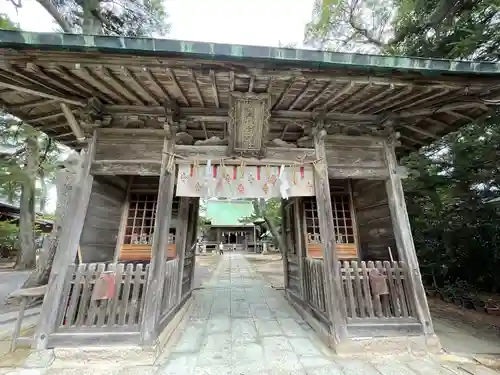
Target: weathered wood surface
<point x="404" y="240"/>
<point x="315" y="286"/>
<point x="131" y="144"/>
<point x="181" y="241"/>
<point x="190" y="256"/>
<point x="102" y="222"/>
<point x="300" y="244"/>
<point x="67" y="248"/>
<point x="363" y="303"/>
<point x="131" y="167"/>
<point x="123" y="219"/>
<point x="121" y="312"/>
<point x="373" y="217"/>
<point x="334" y="296"/>
<point x="170" y="297"/>
<point x="156" y="274"/>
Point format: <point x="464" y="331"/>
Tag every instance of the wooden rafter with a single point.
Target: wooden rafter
<point x="73" y="123"/>
<point x="364" y="104"/>
<point x="215" y="93"/>
<point x="158" y="84"/>
<point x="86" y="86"/>
<point x="299" y="97"/>
<point x="197" y="88"/>
<point x="358" y="92"/>
<point x="173" y="77"/>
<point x="318" y="96"/>
<point x="100" y="82"/>
<point x="344" y="90"/>
<point x="284" y="95"/>
<point x="121" y="86"/>
<point x="142" y="88"/>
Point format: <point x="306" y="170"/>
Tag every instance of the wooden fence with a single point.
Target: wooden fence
<point x="170" y="288"/>
<point x="314" y="285"/>
<point x="363" y="302"/>
<point x="121" y="312"/>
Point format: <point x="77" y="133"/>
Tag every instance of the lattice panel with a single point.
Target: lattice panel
<point x="141" y="220"/>
<point x="343" y="221"/>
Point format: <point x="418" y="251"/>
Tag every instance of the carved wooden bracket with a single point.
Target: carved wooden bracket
<point x="248" y="124"/>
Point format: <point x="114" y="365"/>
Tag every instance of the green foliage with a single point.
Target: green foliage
<point x="423" y="28"/>
<point x="9" y="238"/>
<point x="270" y="209"/>
<point x="6" y="23"/>
<point x="137" y="18"/>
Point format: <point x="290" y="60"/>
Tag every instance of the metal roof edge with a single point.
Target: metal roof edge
<point x="216" y="51"/>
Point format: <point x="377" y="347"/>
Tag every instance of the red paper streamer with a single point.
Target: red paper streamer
<point x="301" y="173"/>
<point x="191" y="169"/>
<point x="258" y="173"/>
<point x="234" y="172"/>
<point x="215" y="171"/>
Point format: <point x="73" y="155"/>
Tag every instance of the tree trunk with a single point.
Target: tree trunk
<point x="43" y="190"/>
<point x="58" y="17"/>
<point x="91" y="23"/>
<point x="27" y="257"/>
<point x="65" y="180"/>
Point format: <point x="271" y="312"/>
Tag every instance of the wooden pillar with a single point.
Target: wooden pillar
<point x="333" y="287"/>
<point x="123" y="221"/>
<point x="155" y="282"/>
<point x="284" y="252"/>
<point x="191" y="238"/>
<point x="181" y="240"/>
<point x="404" y="239"/>
<point x="67" y="248"/>
<point x="299" y="243"/>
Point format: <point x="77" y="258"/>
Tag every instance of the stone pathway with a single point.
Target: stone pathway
<point x="241" y="326"/>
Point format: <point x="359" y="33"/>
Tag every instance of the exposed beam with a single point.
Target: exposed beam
<point x="73" y="124"/>
<point x="251" y="84"/>
<point x="420" y="131"/>
<point x="101" y="83"/>
<point x="284" y="94"/>
<point x="318" y="96"/>
<point x="344" y="90"/>
<point x="86" y="86"/>
<point x="174" y="80"/>
<point x="350" y="97"/>
<point x="37" y="91"/>
<point x="299" y="97"/>
<point x="197" y="88"/>
<point x="32" y="104"/>
<point x="203" y="126"/>
<point x="221" y="114"/>
<point x="364" y="104"/>
<point x="214" y="88"/>
<point x="143" y="88"/>
<point x="121" y="86"/>
<point x="461" y="115"/>
<point x="158" y="84"/>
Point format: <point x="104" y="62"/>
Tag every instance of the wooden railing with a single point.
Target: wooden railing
<point x="121" y="312"/>
<point x="363" y="302"/>
<point x="314" y="285"/>
<point x="170" y="287"/>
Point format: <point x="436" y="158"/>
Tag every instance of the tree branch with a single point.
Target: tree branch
<point x="52" y="10"/>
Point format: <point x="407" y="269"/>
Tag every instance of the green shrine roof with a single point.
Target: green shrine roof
<point x="228" y="213"/>
<point x="317" y="59"/>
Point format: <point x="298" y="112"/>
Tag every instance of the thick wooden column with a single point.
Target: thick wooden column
<point x="404" y="238"/>
<point x="191" y="239"/>
<point x="300" y="244"/>
<point x="156" y="276"/>
<point x="181" y="234"/>
<point x="67" y="247"/>
<point x="123" y="221"/>
<point x="333" y="291"/>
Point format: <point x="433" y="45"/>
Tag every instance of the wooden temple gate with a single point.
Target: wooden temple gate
<point x="139" y="115"/>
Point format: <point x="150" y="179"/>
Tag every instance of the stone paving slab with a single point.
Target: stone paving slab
<point x="239" y="325"/>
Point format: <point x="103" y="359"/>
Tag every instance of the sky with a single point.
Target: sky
<point x="256" y="22"/>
